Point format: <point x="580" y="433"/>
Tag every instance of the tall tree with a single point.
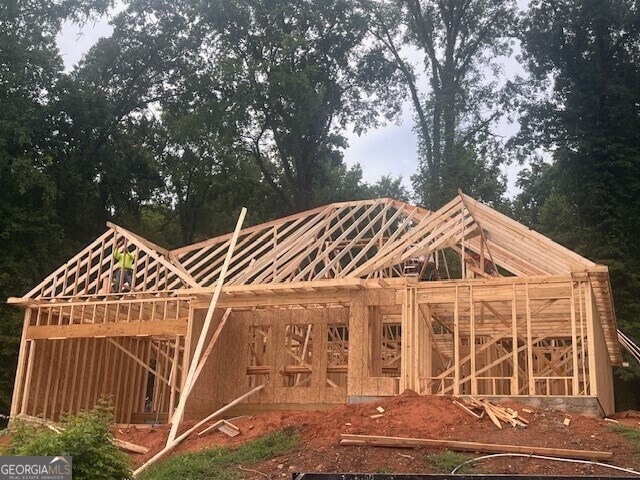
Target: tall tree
<point x="292" y="75"/>
<point x="31" y="240"/>
<point x="104" y="152"/>
<point x="206" y="181"/>
<point x="585" y="56"/>
<point x="458" y="89"/>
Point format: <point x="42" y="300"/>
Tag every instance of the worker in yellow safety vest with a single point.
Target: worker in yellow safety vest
<point x="123" y="278"/>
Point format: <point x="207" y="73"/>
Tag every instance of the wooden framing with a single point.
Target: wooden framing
<point x="316" y="308"/>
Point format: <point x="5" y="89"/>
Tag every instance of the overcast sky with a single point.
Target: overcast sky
<point x="388" y="150"/>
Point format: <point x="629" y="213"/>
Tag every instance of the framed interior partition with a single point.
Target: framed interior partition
<point x="511" y="337"/>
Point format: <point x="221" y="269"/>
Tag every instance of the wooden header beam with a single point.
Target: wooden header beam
<point x="162" y="328"/>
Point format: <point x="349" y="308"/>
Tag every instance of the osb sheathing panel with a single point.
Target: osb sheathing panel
<point x="213" y="383"/>
<point x="224" y="376"/>
<point x="604" y="373"/>
<point x="359" y="382"/>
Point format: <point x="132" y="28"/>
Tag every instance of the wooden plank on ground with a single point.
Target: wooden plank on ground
<point x="130" y="447"/>
<point x="469" y="411"/>
<point x="213" y="426"/>
<point x="378" y="441"/>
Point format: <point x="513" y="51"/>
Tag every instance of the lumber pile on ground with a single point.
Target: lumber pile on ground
<point x="496" y="413"/>
<point x="402" y="442"/>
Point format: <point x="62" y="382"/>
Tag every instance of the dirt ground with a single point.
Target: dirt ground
<point x="408" y="415"/>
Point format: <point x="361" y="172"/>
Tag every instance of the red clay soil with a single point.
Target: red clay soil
<point x="408" y="415"/>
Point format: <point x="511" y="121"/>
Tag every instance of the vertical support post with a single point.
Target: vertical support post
<point x="428" y="344"/>
<point x="58" y="377"/>
<point x="591" y="347"/>
<point x="581" y="286"/>
<point x="173" y="376"/>
<point x="374" y="347"/>
<point x="53" y="349"/>
<point x="531" y="380"/>
<point x="27" y="381"/>
<point x="76" y="400"/>
<point x="186" y="355"/>
<point x="575" y="385"/>
<point x="409" y="353"/>
<point x="472" y="343"/>
<point x="456" y="344"/>
<point x="415" y="326"/>
<point x="18" y="383"/>
<point x="405" y="346"/>
<point x="515" y="384"/>
<point x="93" y="344"/>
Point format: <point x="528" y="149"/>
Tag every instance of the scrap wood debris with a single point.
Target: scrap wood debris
<point x="223" y="426"/>
<point x="496" y="413"/>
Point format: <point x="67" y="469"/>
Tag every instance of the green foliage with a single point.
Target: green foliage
<point x="390" y="187"/>
<point x="446" y="461"/>
<point x="631" y="434"/>
<point x="293" y="76"/>
<point x="586" y="195"/>
<point x="458" y="90"/>
<point x="221" y="463"/>
<point x="31" y="240"/>
<point x="86" y="437"/>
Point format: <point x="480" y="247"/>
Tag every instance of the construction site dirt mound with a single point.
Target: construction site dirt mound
<point x="407" y="415"/>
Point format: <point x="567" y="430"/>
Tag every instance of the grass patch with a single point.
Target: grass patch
<point x="384" y="470"/>
<point x="631" y="434"/>
<point x="220" y="463"/>
<point x="446" y="461"/>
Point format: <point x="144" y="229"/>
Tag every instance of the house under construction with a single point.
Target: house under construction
<point x="319" y="308"/>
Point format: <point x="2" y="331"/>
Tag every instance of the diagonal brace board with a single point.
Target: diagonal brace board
<point x="138" y="360"/>
<point x="177" y="417"/>
<point x="171" y="445"/>
<point x="209" y="349"/>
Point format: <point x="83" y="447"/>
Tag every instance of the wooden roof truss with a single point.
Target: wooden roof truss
<point x="90" y="272"/>
<point x="342" y="242"/>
